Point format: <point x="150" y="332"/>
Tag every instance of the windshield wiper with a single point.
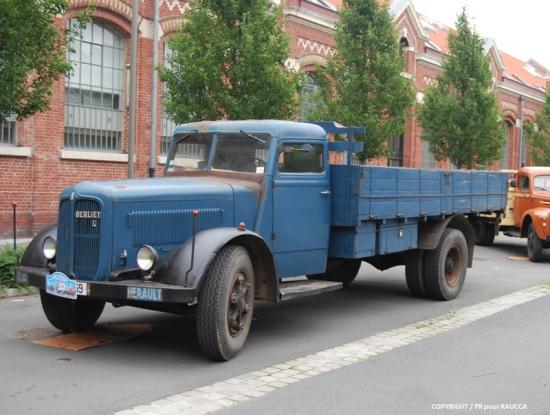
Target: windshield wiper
<point x="195" y="131"/>
<point x="253" y="136"/>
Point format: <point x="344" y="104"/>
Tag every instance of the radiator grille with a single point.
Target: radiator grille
<point x="86" y="240"/>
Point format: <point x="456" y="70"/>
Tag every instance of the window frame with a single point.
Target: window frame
<point x="522" y="189"/>
<point x="325" y="162"/>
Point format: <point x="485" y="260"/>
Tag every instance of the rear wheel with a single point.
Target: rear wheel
<point x="486" y="234"/>
<point x="339" y="270"/>
<point x="414" y="272"/>
<point x="445" y="266"/>
<point x="71" y="315"/>
<point x="226" y="303"/>
<point x="534" y="245"/>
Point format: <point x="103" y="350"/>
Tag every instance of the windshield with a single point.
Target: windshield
<point x="542" y="183"/>
<point x="240" y="152"/>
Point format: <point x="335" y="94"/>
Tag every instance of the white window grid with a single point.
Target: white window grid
<point x="94" y="115"/>
<point x="8" y="131"/>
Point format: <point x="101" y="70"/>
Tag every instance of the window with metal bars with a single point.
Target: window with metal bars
<point x="508" y="134"/>
<point x="396" y="146"/>
<point x="309" y="96"/>
<point x="94" y="90"/>
<point x="428" y="159"/>
<point x="8" y="135"/>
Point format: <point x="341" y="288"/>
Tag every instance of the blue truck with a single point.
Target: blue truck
<point x="244" y="206"/>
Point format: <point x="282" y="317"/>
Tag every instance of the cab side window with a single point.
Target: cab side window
<point x="523" y="183"/>
<point x="301" y="158"/>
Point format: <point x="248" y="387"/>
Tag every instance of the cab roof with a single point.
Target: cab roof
<point x="276" y="128"/>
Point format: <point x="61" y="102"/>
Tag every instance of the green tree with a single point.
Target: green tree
<point x="362" y="84"/>
<point x="227" y="61"/>
<point x="32" y="54"/>
<point x="459" y="116"/>
<point x="539" y="139"/>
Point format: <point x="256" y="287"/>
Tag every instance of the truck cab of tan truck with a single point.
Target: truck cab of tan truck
<point x="527" y="212"/>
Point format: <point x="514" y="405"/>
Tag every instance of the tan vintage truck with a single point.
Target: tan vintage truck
<point x="527" y="213"/>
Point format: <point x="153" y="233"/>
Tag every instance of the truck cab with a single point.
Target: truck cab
<point x="528" y="209"/>
<point x="244" y="208"/>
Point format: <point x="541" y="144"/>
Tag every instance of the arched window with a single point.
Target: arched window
<point x="396" y="146"/>
<point x="168" y="125"/>
<point x="309" y="98"/>
<point x="94" y="90"/>
<point x="403" y="45"/>
<point x="508" y="135"/>
<point x="525" y="145"/>
<point x="428" y="159"/>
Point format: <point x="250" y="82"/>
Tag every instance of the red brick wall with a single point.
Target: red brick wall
<point x="35" y="182"/>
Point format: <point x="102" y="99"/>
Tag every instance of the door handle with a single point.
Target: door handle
<point x="325" y="192"/>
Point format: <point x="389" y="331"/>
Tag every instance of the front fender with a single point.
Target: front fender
<point x="540" y="217"/>
<point x="176" y="269"/>
<point x="34" y="256"/>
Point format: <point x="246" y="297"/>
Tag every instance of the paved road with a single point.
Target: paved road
<point x="500" y="359"/>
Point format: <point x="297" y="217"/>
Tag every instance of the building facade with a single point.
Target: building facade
<point x="84" y="135"/>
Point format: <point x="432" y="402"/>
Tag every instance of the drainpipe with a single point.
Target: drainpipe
<point x="154" y="90"/>
<point x="133" y="72"/>
<point x="521" y="138"/>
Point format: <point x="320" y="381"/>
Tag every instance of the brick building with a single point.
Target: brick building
<point x="84" y="135"/>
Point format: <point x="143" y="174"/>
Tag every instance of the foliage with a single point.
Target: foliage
<point x="539" y="139"/>
<point x="362" y="84"/>
<point x="227" y="61"/>
<point x="32" y="54"/>
<point x="460" y="116"/>
<point x="8" y="260"/>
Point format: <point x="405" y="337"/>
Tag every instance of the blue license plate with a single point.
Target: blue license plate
<point x="144" y="294"/>
<point x="60" y="285"/>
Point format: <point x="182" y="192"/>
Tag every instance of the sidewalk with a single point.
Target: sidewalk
<point x="20" y="241"/>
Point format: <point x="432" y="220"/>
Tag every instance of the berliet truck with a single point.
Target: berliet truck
<point x="242" y="207"/>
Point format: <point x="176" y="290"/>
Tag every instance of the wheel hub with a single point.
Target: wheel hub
<point x="453" y="266"/>
<point x="239" y="304"/>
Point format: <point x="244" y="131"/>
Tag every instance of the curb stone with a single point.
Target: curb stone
<point x="17" y="292"/>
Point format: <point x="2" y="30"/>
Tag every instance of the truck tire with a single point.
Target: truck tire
<point x="486" y="235"/>
<point x="226" y="304"/>
<point x="339" y="270"/>
<point x="445" y="266"/>
<point x="71" y="315"/>
<point x="534" y="245"/>
<point x="414" y="273"/>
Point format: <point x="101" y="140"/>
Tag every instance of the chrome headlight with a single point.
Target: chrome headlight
<point x="49" y="248"/>
<point x="146" y="257"/>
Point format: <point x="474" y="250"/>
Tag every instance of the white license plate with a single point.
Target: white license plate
<point x="81" y="288"/>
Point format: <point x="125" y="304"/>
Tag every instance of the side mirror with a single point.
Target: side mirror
<point x="513" y="184"/>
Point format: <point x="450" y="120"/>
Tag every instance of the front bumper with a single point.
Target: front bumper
<point x="111" y="291"/>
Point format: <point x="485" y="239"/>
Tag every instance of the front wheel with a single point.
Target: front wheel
<point x="445" y="266"/>
<point x="339" y="270"/>
<point x="226" y="303"/>
<point x="534" y="245"/>
<point x="71" y="315"/>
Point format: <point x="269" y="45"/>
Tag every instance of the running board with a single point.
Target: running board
<point x="297" y="289"/>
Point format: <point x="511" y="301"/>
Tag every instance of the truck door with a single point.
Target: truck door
<point x="523" y="199"/>
<point x="301" y="208"/>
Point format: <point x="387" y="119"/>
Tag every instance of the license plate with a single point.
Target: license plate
<point x="144" y="294"/>
<point x="60" y="285"/>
